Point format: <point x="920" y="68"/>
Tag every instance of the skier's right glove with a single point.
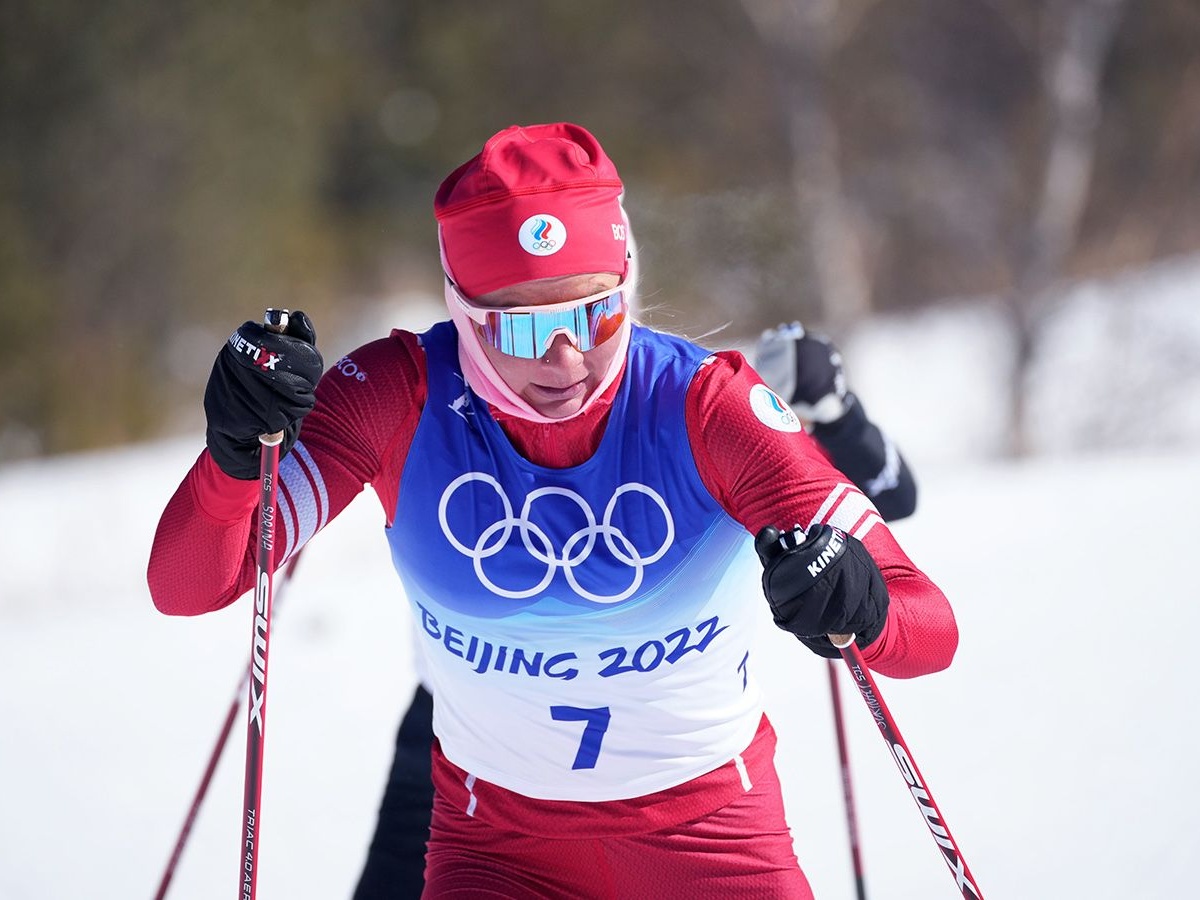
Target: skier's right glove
<point x="806" y="370"/>
<point x="261" y="383"/>
<point x="822" y="583"/>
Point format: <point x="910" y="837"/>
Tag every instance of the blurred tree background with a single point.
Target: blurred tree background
<point x="168" y="170"/>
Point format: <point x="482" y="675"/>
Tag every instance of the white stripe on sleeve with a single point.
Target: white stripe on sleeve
<point x="849" y="509"/>
<point x="309" y="501"/>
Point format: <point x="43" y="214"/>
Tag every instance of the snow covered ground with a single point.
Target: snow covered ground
<point x="1061" y="745"/>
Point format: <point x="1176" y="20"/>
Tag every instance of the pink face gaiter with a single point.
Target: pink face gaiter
<point x="485" y="381"/>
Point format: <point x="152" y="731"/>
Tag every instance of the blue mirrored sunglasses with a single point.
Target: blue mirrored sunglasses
<point x="528" y="331"/>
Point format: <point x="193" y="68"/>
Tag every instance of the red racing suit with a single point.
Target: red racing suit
<point x="359" y="433"/>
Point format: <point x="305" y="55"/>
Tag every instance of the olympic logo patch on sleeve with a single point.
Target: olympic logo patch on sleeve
<point x="772" y="411"/>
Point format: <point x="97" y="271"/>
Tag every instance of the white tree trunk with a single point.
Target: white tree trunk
<point x="1073" y="67"/>
<point x="799" y="36"/>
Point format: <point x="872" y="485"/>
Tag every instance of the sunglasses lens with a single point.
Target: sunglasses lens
<point x="607" y="320"/>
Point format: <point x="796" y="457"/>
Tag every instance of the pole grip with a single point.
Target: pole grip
<point x="276" y="322"/>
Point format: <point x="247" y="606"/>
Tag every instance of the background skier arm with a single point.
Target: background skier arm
<point x="806" y="370"/>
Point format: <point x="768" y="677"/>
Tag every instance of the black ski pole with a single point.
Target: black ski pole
<point x="917" y="785"/>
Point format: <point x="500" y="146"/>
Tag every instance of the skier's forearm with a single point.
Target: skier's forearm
<point x="200" y="560"/>
<point x="921" y="634"/>
<point x="869" y="458"/>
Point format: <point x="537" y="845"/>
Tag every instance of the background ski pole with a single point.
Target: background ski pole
<point x="276" y="320"/>
<point x="860" y="890"/>
<point x="917" y="785"/>
<point x="215" y="757"/>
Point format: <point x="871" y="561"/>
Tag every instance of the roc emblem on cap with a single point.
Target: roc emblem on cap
<point x="542" y="235"/>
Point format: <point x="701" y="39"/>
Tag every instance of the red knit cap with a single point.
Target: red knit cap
<point x="538" y="201"/>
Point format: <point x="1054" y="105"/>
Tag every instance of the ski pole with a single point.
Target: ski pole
<point x="276" y="320"/>
<point x="860" y="889"/>
<point x="218" y="749"/>
<point x="917" y="785"/>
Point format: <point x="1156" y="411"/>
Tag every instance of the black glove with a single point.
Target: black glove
<point x="870" y="459"/>
<point x="821" y="584"/>
<point x="805" y="369"/>
<point x="261" y="383"/>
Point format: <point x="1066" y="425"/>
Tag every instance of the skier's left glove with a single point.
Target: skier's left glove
<point x="806" y="370"/>
<point x="822" y="583"/>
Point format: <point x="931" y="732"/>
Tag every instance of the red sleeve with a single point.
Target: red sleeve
<point x="763" y="475"/>
<point x="359" y="432"/>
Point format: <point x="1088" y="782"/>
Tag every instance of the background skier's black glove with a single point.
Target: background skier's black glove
<point x="261" y="383"/>
<point x="805" y="369"/>
<point x="820" y="584"/>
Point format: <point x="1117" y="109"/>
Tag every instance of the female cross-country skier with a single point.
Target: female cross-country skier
<point x="583" y="513"/>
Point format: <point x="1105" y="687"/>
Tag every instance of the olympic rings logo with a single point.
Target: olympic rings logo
<point x="576" y="549"/>
<point x="543" y="245"/>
